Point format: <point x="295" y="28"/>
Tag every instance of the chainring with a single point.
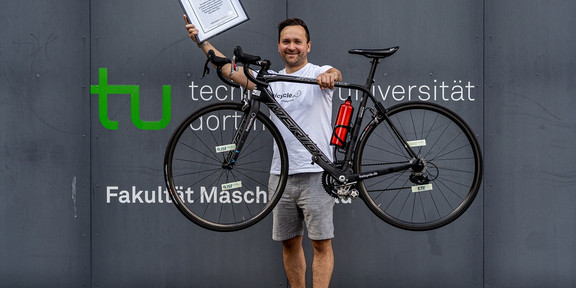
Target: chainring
<point x="329" y="184"/>
<point x="337" y="190"/>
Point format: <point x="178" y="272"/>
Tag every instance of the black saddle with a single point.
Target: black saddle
<point x="375" y="53"/>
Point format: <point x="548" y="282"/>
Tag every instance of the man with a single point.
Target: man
<point x="304" y="199"/>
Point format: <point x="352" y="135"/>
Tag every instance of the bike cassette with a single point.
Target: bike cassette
<point x="337" y="190"/>
<point x="425" y="174"/>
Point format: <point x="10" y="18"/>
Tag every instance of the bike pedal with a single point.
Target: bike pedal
<point x="354" y="193"/>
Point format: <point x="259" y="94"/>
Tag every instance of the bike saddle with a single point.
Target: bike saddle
<point x="375" y="53"/>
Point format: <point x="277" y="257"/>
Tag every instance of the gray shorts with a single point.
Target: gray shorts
<point x="304" y="201"/>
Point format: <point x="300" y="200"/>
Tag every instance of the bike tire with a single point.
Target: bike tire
<point x="453" y="166"/>
<point x="222" y="198"/>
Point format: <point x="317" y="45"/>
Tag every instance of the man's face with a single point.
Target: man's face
<point x="293" y="47"/>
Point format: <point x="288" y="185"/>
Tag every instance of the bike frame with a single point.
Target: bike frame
<point x="262" y="94"/>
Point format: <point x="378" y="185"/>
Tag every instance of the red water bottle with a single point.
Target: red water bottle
<point x="342" y="123"/>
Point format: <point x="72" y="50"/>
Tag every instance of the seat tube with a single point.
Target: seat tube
<point x="360" y="116"/>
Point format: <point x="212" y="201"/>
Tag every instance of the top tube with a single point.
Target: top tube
<point x="268" y="78"/>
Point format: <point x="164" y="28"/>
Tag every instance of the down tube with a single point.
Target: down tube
<point x="317" y="155"/>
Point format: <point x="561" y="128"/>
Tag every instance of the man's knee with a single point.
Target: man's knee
<point x="322" y="246"/>
<point x="292" y="243"/>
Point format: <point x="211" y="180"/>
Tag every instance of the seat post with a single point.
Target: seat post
<point x="375" y="55"/>
<point x="370" y="80"/>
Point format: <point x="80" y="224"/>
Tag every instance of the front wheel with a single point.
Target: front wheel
<point x="445" y="183"/>
<point x="212" y="186"/>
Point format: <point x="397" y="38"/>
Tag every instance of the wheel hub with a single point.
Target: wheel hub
<point x="423" y="172"/>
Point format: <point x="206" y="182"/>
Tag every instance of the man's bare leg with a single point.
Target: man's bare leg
<point x="323" y="263"/>
<point x="294" y="262"/>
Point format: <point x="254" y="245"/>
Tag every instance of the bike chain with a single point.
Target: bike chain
<point x="394" y="163"/>
<point x="389" y="163"/>
<point x="328" y="182"/>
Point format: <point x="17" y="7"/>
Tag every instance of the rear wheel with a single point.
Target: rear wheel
<point x="441" y="188"/>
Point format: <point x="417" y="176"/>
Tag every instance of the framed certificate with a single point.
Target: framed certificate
<point x="212" y="17"/>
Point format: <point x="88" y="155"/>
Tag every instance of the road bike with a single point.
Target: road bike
<point x="416" y="165"/>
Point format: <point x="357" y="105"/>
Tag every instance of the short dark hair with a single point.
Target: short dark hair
<point x="293" y="22"/>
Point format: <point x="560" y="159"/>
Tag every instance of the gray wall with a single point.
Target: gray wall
<point x="530" y="70"/>
<point x="60" y="226"/>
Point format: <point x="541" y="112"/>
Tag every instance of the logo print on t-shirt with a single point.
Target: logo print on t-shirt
<point x="288" y="97"/>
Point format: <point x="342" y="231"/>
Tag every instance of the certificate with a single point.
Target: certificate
<point x="212" y="17"/>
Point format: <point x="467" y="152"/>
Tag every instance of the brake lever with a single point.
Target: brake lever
<point x="206" y="69"/>
<point x="234" y="68"/>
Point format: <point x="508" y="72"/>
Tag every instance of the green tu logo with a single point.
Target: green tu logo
<point x="103" y="90"/>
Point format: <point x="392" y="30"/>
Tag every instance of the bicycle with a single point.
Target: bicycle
<point x="416" y="165"/>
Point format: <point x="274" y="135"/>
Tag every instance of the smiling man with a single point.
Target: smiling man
<point x="304" y="202"/>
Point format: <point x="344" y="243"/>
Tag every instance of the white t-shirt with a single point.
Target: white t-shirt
<point x="311" y="108"/>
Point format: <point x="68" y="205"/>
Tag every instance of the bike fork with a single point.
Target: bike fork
<point x="251" y="110"/>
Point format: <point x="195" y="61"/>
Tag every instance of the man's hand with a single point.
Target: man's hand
<point x="192" y="31"/>
<point x="327" y="79"/>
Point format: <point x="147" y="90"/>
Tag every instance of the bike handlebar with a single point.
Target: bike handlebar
<point x="219" y="62"/>
<point x="247" y="60"/>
